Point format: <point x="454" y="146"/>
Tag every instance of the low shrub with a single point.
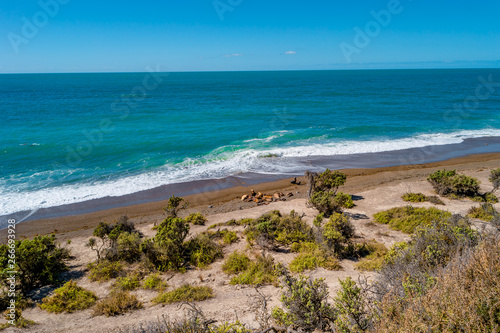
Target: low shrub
<point x="229" y="237"/>
<point x="310" y="257"/>
<point x="38" y="262"/>
<point x="375" y="258"/>
<point x="196" y="218"/>
<point x="449" y="182"/>
<point x="435" y="200"/>
<point x="155" y="282"/>
<point x="351" y="307"/>
<point x="16" y="319"/>
<point x="118" y="302"/>
<point x="235" y="263"/>
<point x="167" y="251"/>
<point x="485" y="212"/>
<point x="329" y="202"/>
<point x="202" y="250"/>
<point x="69" y="298"/>
<point x="186" y="293"/>
<point x="414" y="197"/>
<point x="486" y="197"/>
<point x="464" y="297"/>
<point x="277" y="229"/>
<point x="260" y="271"/>
<point x="407" y="218"/>
<point x="105" y="270"/>
<point x="337" y="233"/>
<point x="126" y="283"/>
<point x="411" y="267"/>
<point x="305" y="303"/>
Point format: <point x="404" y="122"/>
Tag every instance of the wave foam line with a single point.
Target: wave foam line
<point x="218" y="165"/>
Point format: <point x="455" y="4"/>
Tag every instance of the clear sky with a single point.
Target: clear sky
<point x="208" y="35"/>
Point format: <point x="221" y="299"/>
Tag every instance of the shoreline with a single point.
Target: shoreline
<point x="228" y="199"/>
<point x="410" y="156"/>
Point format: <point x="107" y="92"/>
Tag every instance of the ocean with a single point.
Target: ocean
<point x="69" y="138"/>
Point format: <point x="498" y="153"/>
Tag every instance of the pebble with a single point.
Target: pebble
<point x="210" y="206"/>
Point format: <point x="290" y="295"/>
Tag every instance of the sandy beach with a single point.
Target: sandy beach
<point x="227" y="200"/>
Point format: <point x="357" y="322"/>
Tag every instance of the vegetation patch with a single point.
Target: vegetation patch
<point x="407" y="218"/>
<point x="38" y="262"/>
<point x="115" y="242"/>
<point x="105" y="270"/>
<point x="375" y="258"/>
<point x="126" y="283"/>
<point x="154" y="282"/>
<point x="196" y="218"/>
<point x="414" y="197"/>
<point x="186" y="293"/>
<point x="16" y="319"/>
<point x="323" y="189"/>
<point x="272" y="229"/>
<point x="485" y="212"/>
<point x="260" y="271"/>
<point x="118" y="302"/>
<point x="305" y="304"/>
<point x="451" y="183"/>
<point x="235" y="263"/>
<point x="202" y="250"/>
<point x="311" y="256"/>
<point x="69" y="298"/>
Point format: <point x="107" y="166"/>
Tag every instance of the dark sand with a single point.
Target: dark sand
<point x="229" y="199"/>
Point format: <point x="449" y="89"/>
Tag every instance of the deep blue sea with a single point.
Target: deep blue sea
<point x="68" y="138"/>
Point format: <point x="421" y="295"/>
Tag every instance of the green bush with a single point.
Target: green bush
<point x="449" y="182"/>
<point x="186" y="293"/>
<point x="306" y="305"/>
<point x="203" y="251"/>
<point x="196" y="218"/>
<point x="38" y="262"/>
<point x="258" y="272"/>
<point x="338" y="232"/>
<point x="119" y="241"/>
<point x="485" y="212"/>
<point x="351" y="306"/>
<point x="167" y="251"/>
<point x="105" y="270"/>
<point x="328" y="181"/>
<point x="126" y="283"/>
<point x="414" y="197"/>
<point x="229" y="237"/>
<point x="118" y="302"/>
<point x="235" y="263"/>
<point x="464" y="296"/>
<point x="311" y="256"/>
<point x="407" y="218"/>
<point x="154" y="282"/>
<point x="329" y="203"/>
<point x="69" y="298"/>
<point x="490" y="197"/>
<point x="16" y="319"/>
<point x="279" y="229"/>
<point x="375" y="258"/>
<point x="411" y="267"/>
<point x="174" y="206"/>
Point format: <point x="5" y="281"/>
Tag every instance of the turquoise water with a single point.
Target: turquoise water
<point x="72" y="137"/>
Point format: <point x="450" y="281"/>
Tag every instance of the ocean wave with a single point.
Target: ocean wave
<point x="221" y="163"/>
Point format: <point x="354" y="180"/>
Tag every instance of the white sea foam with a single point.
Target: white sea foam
<point x="221" y="163"/>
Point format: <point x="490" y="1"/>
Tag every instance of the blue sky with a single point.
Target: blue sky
<point x="208" y="35"/>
